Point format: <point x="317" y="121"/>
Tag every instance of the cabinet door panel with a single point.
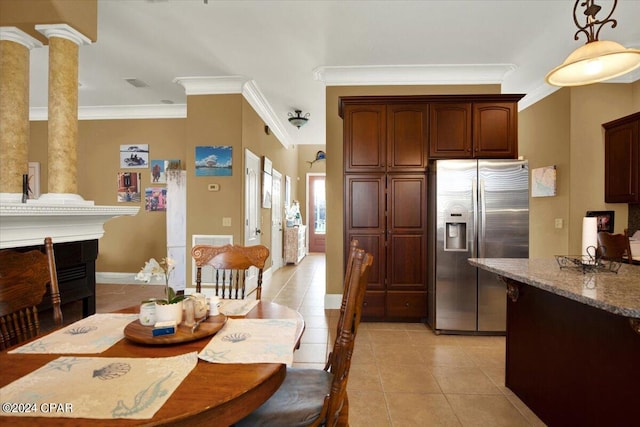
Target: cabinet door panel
<point x="450" y="131"/>
<point x="495" y="130"/>
<point x="407" y="202"/>
<point x="622" y="162"/>
<point x="407" y="264"/>
<point x="375" y="245"/>
<point x="364" y="138"/>
<point x="407" y="137"/>
<point x="365" y="203"/>
<point x="373" y="306"/>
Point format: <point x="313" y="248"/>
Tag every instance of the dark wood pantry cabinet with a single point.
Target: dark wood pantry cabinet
<point x="388" y="143"/>
<point x="622" y="160"/>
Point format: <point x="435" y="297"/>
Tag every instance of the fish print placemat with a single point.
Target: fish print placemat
<point x="93" y="334"/>
<point x="100" y="387"/>
<point x="252" y="341"/>
<point x="237" y="307"/>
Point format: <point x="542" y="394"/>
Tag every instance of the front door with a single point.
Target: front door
<point x="317" y="212"/>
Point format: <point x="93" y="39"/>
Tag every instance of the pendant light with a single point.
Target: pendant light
<point x="596" y="60"/>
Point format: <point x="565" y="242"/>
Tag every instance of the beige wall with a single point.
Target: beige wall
<point x="565" y="129"/>
<point x="211" y="120"/>
<point x="335" y="170"/>
<point x="544" y="140"/>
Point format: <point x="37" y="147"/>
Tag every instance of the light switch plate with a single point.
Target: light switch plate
<point x="226" y="221"/>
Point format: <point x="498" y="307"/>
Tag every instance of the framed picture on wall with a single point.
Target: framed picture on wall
<point x="214" y="160"/>
<point x="268" y="165"/>
<point x="605" y="219"/>
<point x="266" y="190"/>
<point x="134" y="156"/>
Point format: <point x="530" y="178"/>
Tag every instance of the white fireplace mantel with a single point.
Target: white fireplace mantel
<point x="24" y="224"/>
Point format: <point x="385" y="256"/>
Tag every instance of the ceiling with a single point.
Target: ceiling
<point x="289" y="50"/>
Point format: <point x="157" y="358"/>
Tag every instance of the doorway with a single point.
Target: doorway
<point x="317" y="212"/>
<point x="276" y="221"/>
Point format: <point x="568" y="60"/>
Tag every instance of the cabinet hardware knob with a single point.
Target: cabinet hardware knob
<point x="406" y="304"/>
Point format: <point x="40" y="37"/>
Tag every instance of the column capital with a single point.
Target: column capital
<point x="16" y="35"/>
<point x="63" y="31"/>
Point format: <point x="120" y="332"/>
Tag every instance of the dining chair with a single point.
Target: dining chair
<point x="230" y="265"/>
<point x="24" y="277"/>
<point x="318" y="397"/>
<point x="614" y="247"/>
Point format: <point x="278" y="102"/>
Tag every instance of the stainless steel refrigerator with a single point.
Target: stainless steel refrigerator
<point x="482" y="211"/>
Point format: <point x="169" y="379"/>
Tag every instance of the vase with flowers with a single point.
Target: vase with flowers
<point x="170" y="308"/>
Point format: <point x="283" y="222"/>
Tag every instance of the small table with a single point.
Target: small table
<point x="212" y="394"/>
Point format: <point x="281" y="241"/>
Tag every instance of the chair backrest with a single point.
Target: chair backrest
<point x="23" y="283"/>
<point x="230" y="264"/>
<point x="344" y="344"/>
<point x="353" y="247"/>
<point x="614" y="247"/>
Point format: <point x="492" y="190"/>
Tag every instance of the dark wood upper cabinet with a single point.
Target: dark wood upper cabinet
<point x="450" y="131"/>
<point x="365" y="129"/>
<point x="622" y="160"/>
<point x="407" y="137"/>
<point x="495" y="130"/>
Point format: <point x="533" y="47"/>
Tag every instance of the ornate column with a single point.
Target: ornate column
<point x="15" y="46"/>
<point x="64" y="42"/>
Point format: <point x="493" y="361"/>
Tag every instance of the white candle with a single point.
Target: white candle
<point x="589" y="239"/>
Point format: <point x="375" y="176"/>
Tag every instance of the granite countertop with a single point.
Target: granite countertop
<point x="616" y="293"/>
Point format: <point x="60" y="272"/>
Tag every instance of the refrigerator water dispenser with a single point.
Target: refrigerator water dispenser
<point x="455" y="238"/>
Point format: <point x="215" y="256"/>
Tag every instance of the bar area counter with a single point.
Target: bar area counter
<point x="573" y="340"/>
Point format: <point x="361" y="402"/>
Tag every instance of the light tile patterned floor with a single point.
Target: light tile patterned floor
<point x="402" y="374"/>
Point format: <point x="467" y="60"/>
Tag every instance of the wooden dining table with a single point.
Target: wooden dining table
<point x="212" y="394"/>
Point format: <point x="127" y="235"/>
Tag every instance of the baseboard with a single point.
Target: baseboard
<point x="332" y="301"/>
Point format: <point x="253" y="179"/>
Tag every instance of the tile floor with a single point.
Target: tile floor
<point x="402" y="374"/>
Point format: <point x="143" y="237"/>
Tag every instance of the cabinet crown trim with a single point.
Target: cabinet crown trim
<point x="422" y="99"/>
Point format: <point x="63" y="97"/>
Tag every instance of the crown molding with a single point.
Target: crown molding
<point x="436" y="74"/>
<point x="537" y="94"/>
<point x="15" y="34"/>
<point x="211" y="85"/>
<point x="119" y="112"/>
<point x="63" y="31"/>
<point x="256" y="99"/>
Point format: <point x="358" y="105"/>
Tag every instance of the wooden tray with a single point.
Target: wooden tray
<point x="136" y="332"/>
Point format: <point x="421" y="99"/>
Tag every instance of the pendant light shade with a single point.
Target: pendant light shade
<point x="597" y="60"/>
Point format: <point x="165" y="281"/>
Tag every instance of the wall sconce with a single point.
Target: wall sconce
<point x="298" y="120"/>
<point x="596" y="60"/>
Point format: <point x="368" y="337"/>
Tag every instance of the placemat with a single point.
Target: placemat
<point x="99" y="387"/>
<point x="93" y="334"/>
<point x="252" y="341"/>
<point x="237" y="307"/>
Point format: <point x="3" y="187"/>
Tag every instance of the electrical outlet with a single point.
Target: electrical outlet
<point x="226" y="221"/>
<point x="558" y="223"/>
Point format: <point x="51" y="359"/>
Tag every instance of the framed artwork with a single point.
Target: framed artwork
<point x="155" y="199"/>
<point x="543" y="181"/>
<point x="134" y="156"/>
<point x="129" y="186"/>
<point x="266" y="190"/>
<point x="34" y="180"/>
<point x="268" y="165"/>
<point x="159" y="168"/>
<point x="214" y="160"/>
<point x="605" y="219"/>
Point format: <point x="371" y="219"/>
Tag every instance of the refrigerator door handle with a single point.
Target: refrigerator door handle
<point x="474" y="198"/>
<point x="483" y="219"/>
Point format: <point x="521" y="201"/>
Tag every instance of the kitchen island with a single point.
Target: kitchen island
<point x="573" y="340"/>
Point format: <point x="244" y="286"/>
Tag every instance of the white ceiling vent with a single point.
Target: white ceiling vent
<point x="136" y="82"/>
